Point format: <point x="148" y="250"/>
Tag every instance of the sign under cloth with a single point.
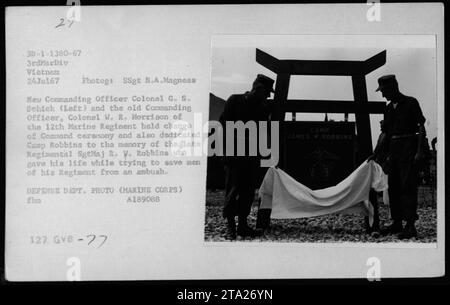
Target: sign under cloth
<point x="289" y="199"/>
<point x="320" y="154"/>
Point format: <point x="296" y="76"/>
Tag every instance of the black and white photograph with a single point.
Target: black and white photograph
<point x="355" y="157"/>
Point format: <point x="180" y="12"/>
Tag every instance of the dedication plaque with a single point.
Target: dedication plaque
<point x="320" y="154"/>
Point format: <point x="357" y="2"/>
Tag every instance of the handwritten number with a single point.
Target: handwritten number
<point x="104" y="240"/>
<point x="93" y="238"/>
<point x="61" y="23"/>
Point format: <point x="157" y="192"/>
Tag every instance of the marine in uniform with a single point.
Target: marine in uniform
<point x="402" y="137"/>
<point x="241" y="172"/>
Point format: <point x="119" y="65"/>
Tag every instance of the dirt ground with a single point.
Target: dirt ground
<point x="329" y="228"/>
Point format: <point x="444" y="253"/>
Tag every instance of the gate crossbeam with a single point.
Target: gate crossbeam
<point x="357" y="70"/>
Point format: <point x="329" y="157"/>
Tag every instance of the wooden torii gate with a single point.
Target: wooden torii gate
<point x="357" y="70"/>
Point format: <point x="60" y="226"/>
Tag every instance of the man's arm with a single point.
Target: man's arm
<point x="380" y="143"/>
<point x="420" y="121"/>
<point x="379" y="147"/>
<point x="227" y="115"/>
<point x="419" y="153"/>
<point x="382" y="139"/>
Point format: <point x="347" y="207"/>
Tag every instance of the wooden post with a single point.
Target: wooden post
<point x="280" y="100"/>
<point x="362" y="117"/>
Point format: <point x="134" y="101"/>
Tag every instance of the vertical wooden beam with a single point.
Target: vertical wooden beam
<point x="280" y="99"/>
<point x="362" y="117"/>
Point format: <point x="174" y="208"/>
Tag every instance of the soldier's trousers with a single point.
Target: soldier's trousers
<point x="403" y="181"/>
<point x="240" y="185"/>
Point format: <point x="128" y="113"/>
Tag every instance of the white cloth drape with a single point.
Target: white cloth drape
<point x="290" y="199"/>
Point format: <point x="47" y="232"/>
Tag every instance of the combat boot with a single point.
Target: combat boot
<point x="244" y="230"/>
<point x="395" y="228"/>
<point x="408" y="232"/>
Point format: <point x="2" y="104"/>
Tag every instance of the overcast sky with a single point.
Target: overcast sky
<point x="410" y="58"/>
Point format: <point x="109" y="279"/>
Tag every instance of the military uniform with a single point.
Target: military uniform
<point x="241" y="172"/>
<point x="401" y="126"/>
